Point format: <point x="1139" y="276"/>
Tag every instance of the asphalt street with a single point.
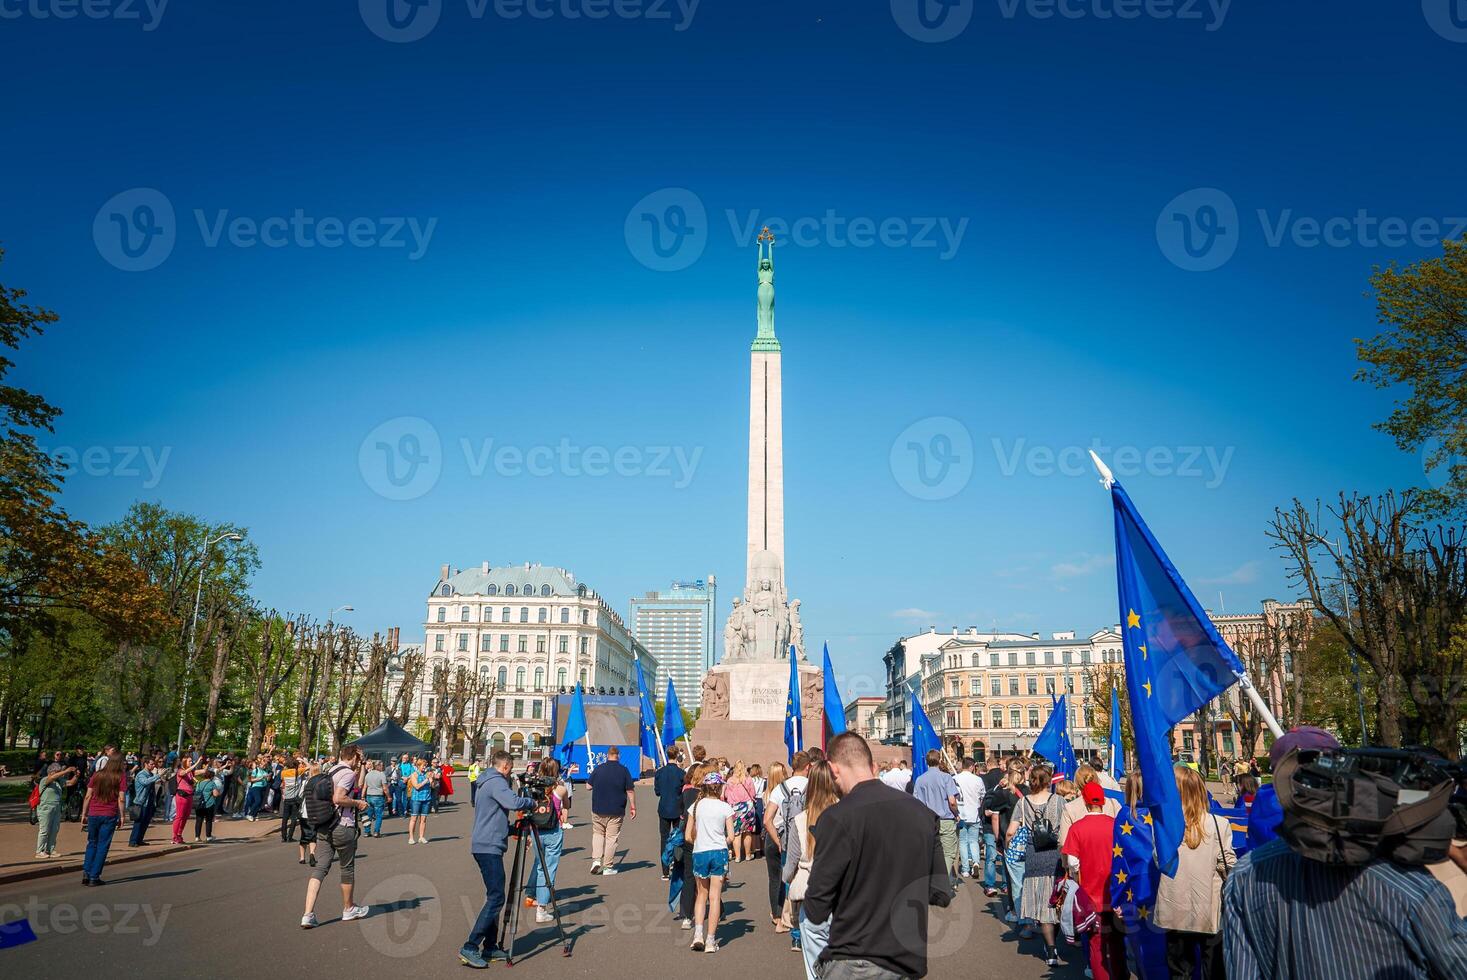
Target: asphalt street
<point x="233" y="910"/>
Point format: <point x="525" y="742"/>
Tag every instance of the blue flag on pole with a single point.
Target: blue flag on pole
<point x="794" y="730"/>
<point x="1048" y="744"/>
<point x="1133" y="892"/>
<point x="924" y="737"/>
<point x="835" y="710"/>
<point x="673" y="727"/>
<point x="575" y="729"/>
<point x="648" y="734"/>
<point x="1117" y="750"/>
<point x="1175" y="663"/>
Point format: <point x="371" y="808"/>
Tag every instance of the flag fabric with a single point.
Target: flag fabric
<point x="1067" y="762"/>
<point x="1117" y="750"/>
<point x="575" y="729"/>
<point x="1048" y="744"/>
<point x="835" y="710"/>
<point x="1237" y="818"/>
<point x="794" y="730"/>
<point x="1133" y="881"/>
<point x="673" y="727"/>
<point x="16" y="933"/>
<point x="1175" y="663"/>
<point x="924" y="737"/>
<point x="648" y="734"/>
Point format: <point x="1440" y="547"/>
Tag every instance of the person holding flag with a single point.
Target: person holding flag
<point x="793" y="718"/>
<point x="673" y="726"/>
<point x="650" y="745"/>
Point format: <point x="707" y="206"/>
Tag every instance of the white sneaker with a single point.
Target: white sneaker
<point x="712" y="946"/>
<point x="687" y="923"/>
<point x="542" y="914"/>
<point x="422" y="840"/>
<point x="308" y="921"/>
<point x="608" y="871"/>
<point x="595" y="867"/>
<point x="355" y="912"/>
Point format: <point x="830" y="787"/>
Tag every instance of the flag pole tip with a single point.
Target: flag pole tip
<point x="1107" y="479"/>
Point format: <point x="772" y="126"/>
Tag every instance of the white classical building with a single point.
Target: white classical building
<point x="533" y="631"/>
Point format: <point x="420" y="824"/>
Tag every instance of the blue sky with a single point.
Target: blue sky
<point x="1002" y="246"/>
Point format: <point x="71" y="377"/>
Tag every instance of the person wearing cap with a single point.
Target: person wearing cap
<point x="710" y="825"/>
<point x="1265" y="815"/>
<point x="1087" y="848"/>
<point x="1286" y="916"/>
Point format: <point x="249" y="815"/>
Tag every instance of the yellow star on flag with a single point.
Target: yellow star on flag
<point x="1116" y="850"/>
<point x="1147" y="685"/>
<point x="1142" y="648"/>
<point x="1130" y="896"/>
<point x="1147" y="818"/>
<point x="1121" y="877"/>
<point x="1142" y="911"/>
<point x="1126" y="828"/>
<point x="1132" y="620"/>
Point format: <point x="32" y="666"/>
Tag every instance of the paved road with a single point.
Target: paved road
<point x="233" y="910"/>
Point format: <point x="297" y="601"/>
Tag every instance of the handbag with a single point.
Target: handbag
<point x="135" y="812"/>
<point x="1017" y="847"/>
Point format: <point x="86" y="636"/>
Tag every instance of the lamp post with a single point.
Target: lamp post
<point x="193" y="633"/>
<point x="35" y="720"/>
<point x="47" y="701"/>
<point x="330" y="631"/>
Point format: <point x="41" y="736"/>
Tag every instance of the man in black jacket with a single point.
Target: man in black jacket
<point x="668" y="785"/>
<point x="878" y="866"/>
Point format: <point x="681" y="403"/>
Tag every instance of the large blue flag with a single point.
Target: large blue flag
<point x="673" y="727"/>
<point x="575" y="729"/>
<point x="1048" y="744"/>
<point x="1117" y="750"/>
<point x="794" y="728"/>
<point x="835" y="710"/>
<point x="1133" y="892"/>
<point x="1175" y="663"/>
<point x="924" y="737"/>
<point x="648" y="734"/>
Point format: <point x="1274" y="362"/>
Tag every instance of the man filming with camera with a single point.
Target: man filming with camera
<point x="494" y="801"/>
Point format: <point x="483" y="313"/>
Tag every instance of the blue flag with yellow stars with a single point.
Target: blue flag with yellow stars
<point x="648" y="739"/>
<point x="924" y="738"/>
<point x="673" y="726"/>
<point x="1049" y="744"/>
<point x="794" y="730"/>
<point x="575" y="729"/>
<point x="1133" y="879"/>
<point x="834" y="712"/>
<point x="1113" y="745"/>
<point x="1175" y="663"/>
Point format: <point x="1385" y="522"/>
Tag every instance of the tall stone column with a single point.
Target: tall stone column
<point x="766" y="458"/>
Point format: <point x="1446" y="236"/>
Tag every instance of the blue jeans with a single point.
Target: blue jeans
<point x="491" y="869"/>
<point x="968" y="836"/>
<point x="552" y="839"/>
<point x="376" y="805"/>
<point x="140" y="826"/>
<point x="99" y="840"/>
<point x="399" y="799"/>
<point x="990" y="858"/>
<point x="254" y="799"/>
<point x="814" y="937"/>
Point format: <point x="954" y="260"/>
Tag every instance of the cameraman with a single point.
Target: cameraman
<point x="487" y="845"/>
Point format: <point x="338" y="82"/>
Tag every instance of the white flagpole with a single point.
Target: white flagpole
<point x="1107" y="480"/>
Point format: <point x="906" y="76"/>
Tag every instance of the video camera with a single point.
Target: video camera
<point x="537" y="787"/>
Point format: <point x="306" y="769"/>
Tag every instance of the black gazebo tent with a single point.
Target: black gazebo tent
<point x="390" y="740"/>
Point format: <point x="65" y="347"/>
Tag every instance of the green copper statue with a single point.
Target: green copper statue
<point x="765" y="340"/>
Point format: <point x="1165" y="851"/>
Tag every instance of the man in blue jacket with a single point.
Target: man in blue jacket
<point x="668" y="785"/>
<point x="493" y="802"/>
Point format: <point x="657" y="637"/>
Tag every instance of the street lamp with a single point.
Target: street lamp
<point x="193" y="633"/>
<point x="47" y="701"/>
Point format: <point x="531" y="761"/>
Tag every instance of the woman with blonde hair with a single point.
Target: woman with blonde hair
<point x="740" y="794"/>
<point x="778" y="773"/>
<point x="1075" y="809"/>
<point x="820" y="795"/>
<point x="1189" y="905"/>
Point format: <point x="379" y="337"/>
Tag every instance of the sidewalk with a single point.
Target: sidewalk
<point x="18" y="842"/>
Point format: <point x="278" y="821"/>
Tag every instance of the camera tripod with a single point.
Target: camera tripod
<point x="519" y="875"/>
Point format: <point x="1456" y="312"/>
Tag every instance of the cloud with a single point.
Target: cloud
<point x="1087" y="565"/>
<point x="914" y="613"/>
<point x="1244" y="574"/>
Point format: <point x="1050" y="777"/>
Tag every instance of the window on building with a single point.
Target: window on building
<point x="499" y="707"/>
<point x="527" y="589"/>
<point x="1049" y="658"/>
<point x="1013" y="658"/>
<point x="1031" y="684"/>
<point x="1085" y="684"/>
<point x="492" y="590"/>
<point x="523" y="645"/>
<point x="544" y="614"/>
<point x="560" y="676"/>
<point x="1033" y="717"/>
<point x="993" y="660"/>
<point x="565" y="614"/>
<point x="429" y="712"/>
<point x="442" y="614"/>
<point x="995" y="686"/>
<point x="488" y="613"/>
<point x="519" y="705"/>
<point x="504" y="614"/>
<point x="503" y="679"/>
<point x="486" y="642"/>
<point x="438" y="643"/>
<point x="1013" y="686"/>
<point x="537" y="708"/>
<point x="977" y="717"/>
<point x="463" y="642"/>
<point x="585" y="617"/>
<point x="539" y="678"/>
<point x="524" y="614"/>
<point x="997" y="717"/>
<point x="463" y="614"/>
<point x="1013" y="717"/>
<point x="584" y="644"/>
<point x="957" y="686"/>
<point x="563" y="646"/>
<point x="504" y="643"/>
<point x="583" y="677"/>
<point x="545" y="590"/>
<point x="1029" y="658"/>
<point x="952" y="719"/>
<point x="973" y="661"/>
<point x="1066" y="658"/>
<point x="1069" y="684"/>
<point x="1049" y="685"/>
<point x="445" y="589"/>
<point x="519" y="678"/>
<point x="509" y="590"/>
<point x="1084" y="656"/>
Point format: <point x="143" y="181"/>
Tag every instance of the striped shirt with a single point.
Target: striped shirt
<point x="1289" y="918"/>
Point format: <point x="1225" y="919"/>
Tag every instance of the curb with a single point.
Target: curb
<point x="74" y="865"/>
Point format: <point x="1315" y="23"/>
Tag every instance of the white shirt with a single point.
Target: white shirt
<point x="777" y="797"/>
<point x="709" y="815"/>
<point x="898" y="778"/>
<point x="970" y="798"/>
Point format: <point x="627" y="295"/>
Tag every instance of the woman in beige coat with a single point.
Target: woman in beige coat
<point x="1189" y="905"/>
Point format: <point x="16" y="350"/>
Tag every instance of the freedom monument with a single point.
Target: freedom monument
<point x="744" y="695"/>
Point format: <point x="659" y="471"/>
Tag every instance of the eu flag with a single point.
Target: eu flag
<point x="794" y="730"/>
<point x="1133" y="879"/>
<point x="1117" y="751"/>
<point x="1175" y="663"/>
<point x="1051" y="736"/>
<point x="835" y="710"/>
<point x="924" y="737"/>
<point x="648" y="734"/>
<point x="673" y="727"/>
<point x="575" y="729"/>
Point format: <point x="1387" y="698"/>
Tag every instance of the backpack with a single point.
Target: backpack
<point x="1043" y="834"/>
<point x="321" y="814"/>
<point x="791" y="806"/>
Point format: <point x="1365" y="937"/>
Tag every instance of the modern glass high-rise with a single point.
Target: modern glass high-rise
<point x="676" y="627"/>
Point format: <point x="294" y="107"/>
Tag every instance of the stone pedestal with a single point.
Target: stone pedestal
<point x="743" y="710"/>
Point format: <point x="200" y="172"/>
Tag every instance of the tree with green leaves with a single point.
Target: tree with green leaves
<point x="1423" y="350"/>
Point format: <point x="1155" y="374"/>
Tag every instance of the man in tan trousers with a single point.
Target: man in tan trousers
<point x="613" y="796"/>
